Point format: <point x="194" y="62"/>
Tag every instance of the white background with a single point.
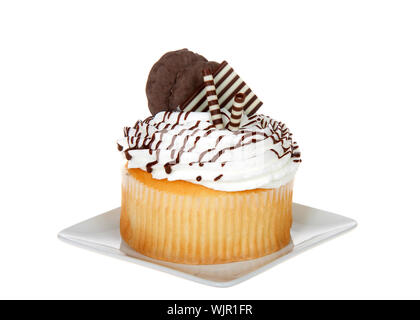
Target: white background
<point x="343" y="75"/>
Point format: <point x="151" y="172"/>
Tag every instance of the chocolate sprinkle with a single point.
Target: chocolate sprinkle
<point x="218" y="177"/>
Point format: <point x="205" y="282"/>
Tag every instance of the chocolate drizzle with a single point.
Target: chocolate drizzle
<point x="280" y="156"/>
<point x="172" y="143"/>
<point x="162" y="136"/>
<point x="168" y="168"/>
<point x="149" y="166"/>
<point x="187" y="114"/>
<point x="195" y="144"/>
<point x="196" y="125"/>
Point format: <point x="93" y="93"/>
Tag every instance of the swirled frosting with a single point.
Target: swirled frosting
<point x="187" y="146"/>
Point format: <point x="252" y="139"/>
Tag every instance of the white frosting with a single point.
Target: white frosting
<point x="186" y="146"/>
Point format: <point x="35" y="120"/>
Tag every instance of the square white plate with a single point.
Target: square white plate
<point x="310" y="226"/>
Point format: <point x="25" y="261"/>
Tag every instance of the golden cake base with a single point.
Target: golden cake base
<point x="182" y="222"/>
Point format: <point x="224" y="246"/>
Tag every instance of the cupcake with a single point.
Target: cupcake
<point x="207" y="180"/>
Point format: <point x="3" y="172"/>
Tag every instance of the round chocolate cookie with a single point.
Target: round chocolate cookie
<point x="173" y="78"/>
<point x="188" y="80"/>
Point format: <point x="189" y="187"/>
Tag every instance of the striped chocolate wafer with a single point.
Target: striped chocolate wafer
<point x="237" y="111"/>
<point x="227" y="84"/>
<point x="212" y="101"/>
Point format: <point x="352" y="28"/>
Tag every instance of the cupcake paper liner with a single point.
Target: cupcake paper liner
<point x="206" y="227"/>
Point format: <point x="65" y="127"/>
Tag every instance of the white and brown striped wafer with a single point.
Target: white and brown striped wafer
<point x="228" y="84"/>
<point x="212" y="101"/>
<point x="237" y="111"/>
